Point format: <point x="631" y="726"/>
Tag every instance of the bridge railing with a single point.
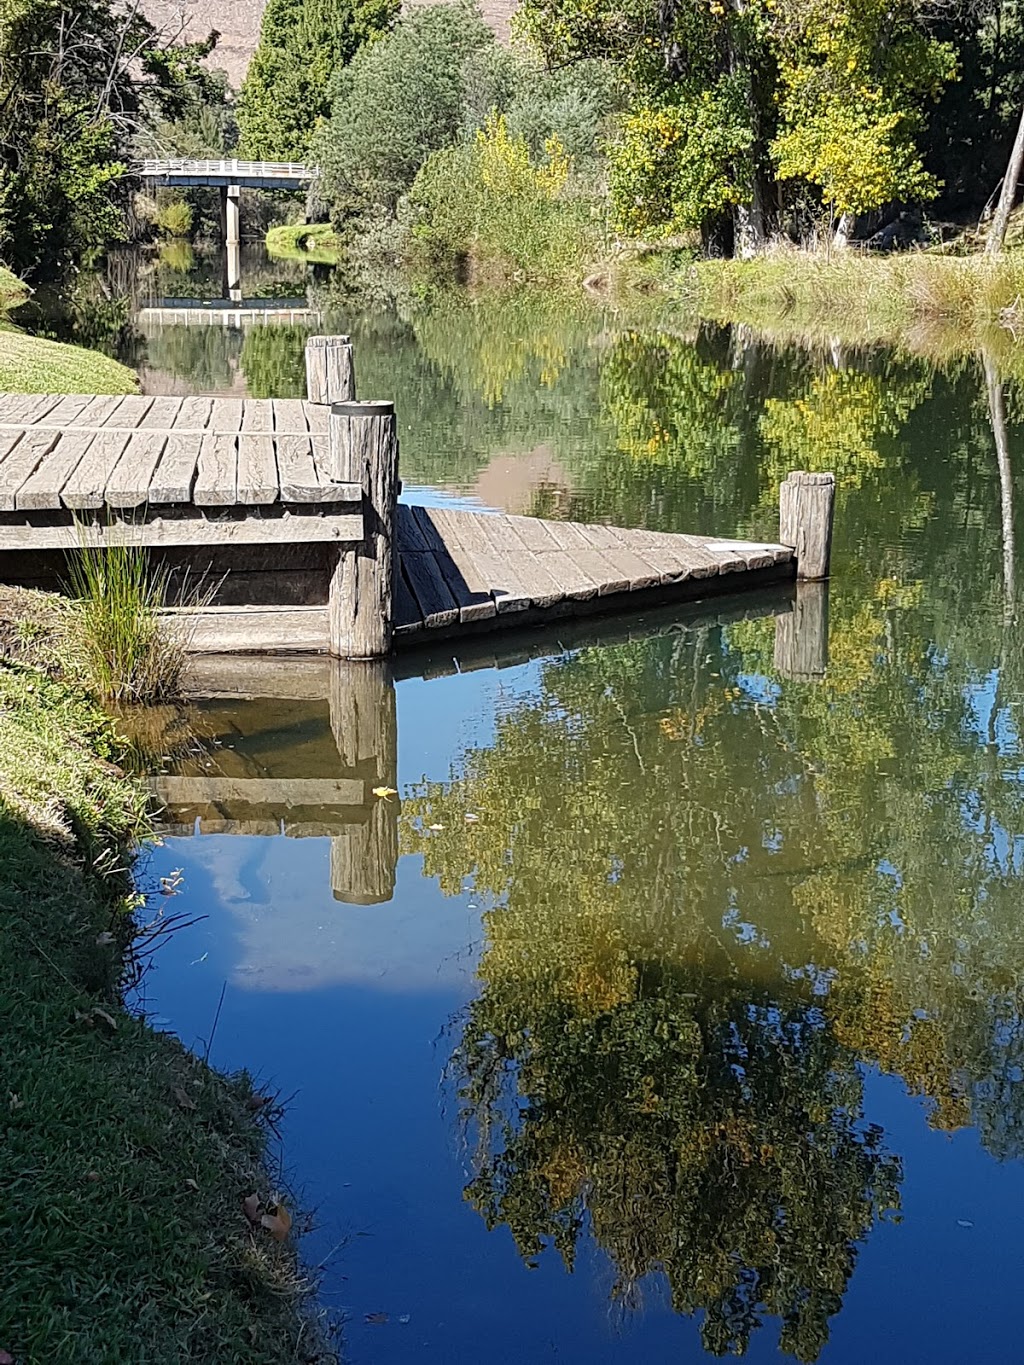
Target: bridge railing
<point x="291" y="170"/>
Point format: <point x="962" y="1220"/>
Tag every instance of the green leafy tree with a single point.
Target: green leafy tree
<point x="78" y="84"/>
<point x="286" y="93"/>
<point x="399" y="100"/>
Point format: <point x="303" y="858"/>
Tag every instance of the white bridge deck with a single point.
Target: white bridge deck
<point x="252" y="174"/>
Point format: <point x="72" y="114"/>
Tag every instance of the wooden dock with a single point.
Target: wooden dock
<point x="287" y="512"/>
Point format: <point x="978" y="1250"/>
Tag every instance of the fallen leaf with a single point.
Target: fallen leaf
<point x="435" y="827"/>
<point x="471" y="819"/>
<point x="108" y="1019"/>
<point x="251" y="1207"/>
<point x="278" y="1223"/>
<point x="184" y="1101"/>
<point x="15" y="1101"/>
<point x="376" y="1317"/>
<point x="105" y="939"/>
<point x="192" y="1184"/>
<point x="257" y="1102"/>
<point x="385" y="793"/>
<point x="92" y="1177"/>
<point x="6" y="1358"/>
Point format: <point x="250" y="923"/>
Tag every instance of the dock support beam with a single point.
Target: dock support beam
<point x="330" y="370"/>
<point x="364" y="854"/>
<point x="364" y="450"/>
<point x="806" y="507"/>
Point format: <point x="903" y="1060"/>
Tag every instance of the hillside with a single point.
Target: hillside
<point x="238" y="23"/>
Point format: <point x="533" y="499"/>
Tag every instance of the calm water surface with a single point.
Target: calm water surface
<point x="673" y="1007"/>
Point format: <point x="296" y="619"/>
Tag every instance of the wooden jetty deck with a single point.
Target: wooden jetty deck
<point x="286" y="510"/>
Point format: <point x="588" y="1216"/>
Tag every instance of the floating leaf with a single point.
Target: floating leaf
<point x="376" y="1317"/>
<point x="278" y="1223"/>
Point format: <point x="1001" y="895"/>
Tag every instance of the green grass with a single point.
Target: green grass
<point x="313" y="242"/>
<point x="124" y="1160"/>
<point x="35" y="365"/>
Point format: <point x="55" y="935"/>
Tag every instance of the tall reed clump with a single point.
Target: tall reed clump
<point x="120" y="649"/>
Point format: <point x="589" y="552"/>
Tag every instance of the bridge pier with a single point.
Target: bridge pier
<point x="231" y="215"/>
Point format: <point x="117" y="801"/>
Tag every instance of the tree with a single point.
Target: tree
<point x="78" y="83"/>
<point x="399" y="100"/>
<point x="1008" y="193"/>
<point x="287" y="90"/>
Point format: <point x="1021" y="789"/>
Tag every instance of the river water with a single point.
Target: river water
<point x="673" y="1005"/>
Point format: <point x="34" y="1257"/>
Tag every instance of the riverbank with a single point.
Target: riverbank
<point x="31" y="364"/>
<point x="312" y="242"/>
<point x="134" y="1175"/>
<point x="879" y="295"/>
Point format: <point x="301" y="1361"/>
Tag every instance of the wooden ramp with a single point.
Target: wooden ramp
<point x="462" y="568"/>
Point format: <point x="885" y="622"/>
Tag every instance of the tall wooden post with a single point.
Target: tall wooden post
<point x="365" y="726"/>
<point x="806" y="508"/>
<point x="364" y="450"/>
<point x="330" y="370"/>
<point x="801" y="635"/>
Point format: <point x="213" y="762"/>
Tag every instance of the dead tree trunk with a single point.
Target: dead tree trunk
<point x="1001" y="217"/>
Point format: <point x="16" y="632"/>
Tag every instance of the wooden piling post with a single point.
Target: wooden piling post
<point x="801" y="635"/>
<point x="364" y="854"/>
<point x="364" y="450"/>
<point x="330" y="370"/>
<point x="806" y="507"/>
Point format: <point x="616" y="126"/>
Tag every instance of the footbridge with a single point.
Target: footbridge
<point x="231" y="177"/>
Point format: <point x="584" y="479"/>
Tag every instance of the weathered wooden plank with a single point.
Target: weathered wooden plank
<point x="432" y="538"/>
<point x="573" y="580"/>
<point x="98" y="411"/>
<point x="534" y="534"/>
<point x="672" y="566"/>
<point x="41" y="490"/>
<point x="437" y="606"/>
<point x="128" y="484"/>
<point x="25" y="409"/>
<point x="410" y="538"/>
<point x="20" y="463"/>
<point x="226" y="414"/>
<point x="257" y="415"/>
<point x="336" y="528"/>
<point x="130" y="411"/>
<point x="69" y="409"/>
<point x="172" y="479"/>
<point x="290" y="416"/>
<point x="755" y="554"/>
<point x="86" y="484"/>
<point x="407" y="618"/>
<point x="253" y="630"/>
<point x="525" y="570"/>
<point x="497" y="575"/>
<point x="216" y="482"/>
<point x="194" y="414"/>
<point x="299" y="481"/>
<point x="318" y="418"/>
<point x="636" y="570"/>
<point x="589" y="564"/>
<point x="257" y="791"/>
<point x="162" y="413"/>
<point x="257" y="469"/>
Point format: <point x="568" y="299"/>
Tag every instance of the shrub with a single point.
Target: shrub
<point x="492" y="204"/>
<point x="175" y="219"/>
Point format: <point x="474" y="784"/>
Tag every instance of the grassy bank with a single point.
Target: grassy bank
<point x="124" y="1160"/>
<point x="877" y="297"/>
<point x="313" y="242"/>
<point x="35" y="365"/>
